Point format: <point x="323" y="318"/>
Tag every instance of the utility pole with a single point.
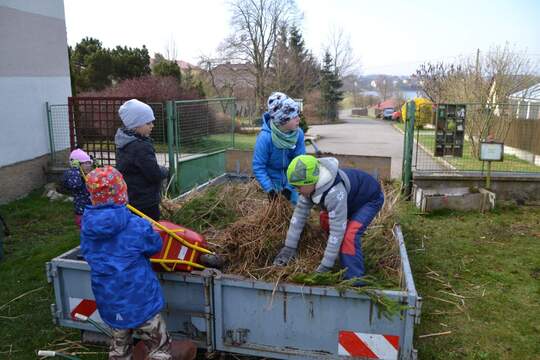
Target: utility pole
<point x="354" y="94"/>
<point x="477" y="68"/>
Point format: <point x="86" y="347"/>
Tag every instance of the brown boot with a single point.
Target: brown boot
<point x="180" y="349"/>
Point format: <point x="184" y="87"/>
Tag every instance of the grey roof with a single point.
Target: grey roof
<point x="532" y="93"/>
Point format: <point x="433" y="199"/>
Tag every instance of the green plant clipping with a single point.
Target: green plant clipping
<point x="204" y="211"/>
<point x="368" y="286"/>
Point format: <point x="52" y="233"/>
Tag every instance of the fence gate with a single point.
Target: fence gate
<point x="202" y="131"/>
<point x="93" y="122"/>
<point x="190" y="137"/>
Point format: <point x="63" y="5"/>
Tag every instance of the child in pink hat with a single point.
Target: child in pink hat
<point x="80" y="164"/>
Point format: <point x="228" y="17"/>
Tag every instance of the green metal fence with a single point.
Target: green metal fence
<point x="203" y="130"/>
<point x="408" y="146"/>
<point x="59" y="141"/>
<point x="439" y="148"/>
<point x="190" y="137"/>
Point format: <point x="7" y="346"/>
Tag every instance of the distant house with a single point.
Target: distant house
<point x="185" y="66"/>
<point x="239" y="77"/>
<point x="377" y="109"/>
<point x="237" y="80"/>
<point x="34" y="69"/>
<point x="528" y="102"/>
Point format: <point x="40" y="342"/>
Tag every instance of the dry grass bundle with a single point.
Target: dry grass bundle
<point x="255" y="229"/>
<point x="251" y="243"/>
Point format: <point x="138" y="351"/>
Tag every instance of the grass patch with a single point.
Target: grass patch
<point x="479" y="278"/>
<point x="40" y="231"/>
<point x="219" y="142"/>
<point x="470" y="163"/>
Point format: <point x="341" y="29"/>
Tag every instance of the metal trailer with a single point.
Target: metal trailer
<point x="223" y="312"/>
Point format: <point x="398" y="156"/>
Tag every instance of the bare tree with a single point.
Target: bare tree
<point x="220" y="88"/>
<point x="339" y="47"/>
<point x="484" y="82"/>
<point x="434" y="79"/>
<point x="222" y="85"/>
<point x="484" y="78"/>
<point x="256" y="25"/>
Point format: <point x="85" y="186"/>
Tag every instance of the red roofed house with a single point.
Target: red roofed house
<point x="377" y="109"/>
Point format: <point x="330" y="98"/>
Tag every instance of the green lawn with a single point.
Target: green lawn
<point x="491" y="262"/>
<point x="40" y="231"/>
<point x="479" y="276"/>
<point x="221" y="141"/>
<point x="469" y="162"/>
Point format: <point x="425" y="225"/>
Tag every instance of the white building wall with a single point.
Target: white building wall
<point x="33" y="69"/>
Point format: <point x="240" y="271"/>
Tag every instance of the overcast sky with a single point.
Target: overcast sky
<point x="388" y="36"/>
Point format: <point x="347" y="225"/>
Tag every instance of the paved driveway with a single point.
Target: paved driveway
<point x="362" y="136"/>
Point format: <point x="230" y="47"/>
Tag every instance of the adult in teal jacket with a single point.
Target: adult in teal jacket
<point x="279" y="141"/>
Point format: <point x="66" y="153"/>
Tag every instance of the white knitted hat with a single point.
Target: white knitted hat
<point x="135" y="113"/>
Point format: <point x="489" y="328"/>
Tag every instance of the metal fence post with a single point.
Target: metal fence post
<point x="404" y="148"/>
<point x="51" y="137"/>
<point x="71" y="121"/>
<point x="169" y="109"/>
<point x="408" y="148"/>
<point x="233" y="109"/>
<point x="177" y="140"/>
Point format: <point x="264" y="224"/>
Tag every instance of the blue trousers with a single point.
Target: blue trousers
<point x="350" y="254"/>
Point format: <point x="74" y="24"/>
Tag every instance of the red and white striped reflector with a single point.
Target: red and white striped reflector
<point x="84" y="307"/>
<point x="370" y="346"/>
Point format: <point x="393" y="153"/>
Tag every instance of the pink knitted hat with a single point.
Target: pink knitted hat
<point x="79" y="155"/>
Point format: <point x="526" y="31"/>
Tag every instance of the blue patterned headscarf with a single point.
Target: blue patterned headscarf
<point x="282" y="108"/>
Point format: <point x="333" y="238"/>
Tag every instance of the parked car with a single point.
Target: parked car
<point x="387" y="113"/>
<point x="396" y="115"/>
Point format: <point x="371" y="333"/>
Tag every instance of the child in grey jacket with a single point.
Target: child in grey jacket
<point x="349" y="199"/>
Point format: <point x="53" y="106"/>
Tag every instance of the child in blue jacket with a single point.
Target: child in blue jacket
<point x="117" y="245"/>
<point x="279" y="141"/>
<point x="74" y="182"/>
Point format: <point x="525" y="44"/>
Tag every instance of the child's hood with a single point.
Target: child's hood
<point x="328" y="169"/>
<point x="121" y="139"/>
<point x="265" y="122"/>
<point x="105" y="221"/>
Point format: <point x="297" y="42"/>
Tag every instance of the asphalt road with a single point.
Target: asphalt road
<point x="362" y="136"/>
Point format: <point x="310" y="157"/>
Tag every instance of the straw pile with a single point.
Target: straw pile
<point x="248" y="230"/>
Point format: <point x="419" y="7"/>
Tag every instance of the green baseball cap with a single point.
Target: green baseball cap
<point x="303" y="170"/>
